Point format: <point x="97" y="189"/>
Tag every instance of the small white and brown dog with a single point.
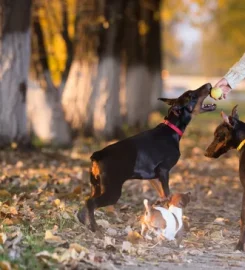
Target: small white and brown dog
<point x="165" y="223"/>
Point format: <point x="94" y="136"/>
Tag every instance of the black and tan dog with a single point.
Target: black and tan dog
<point x="147" y="155"/>
<point x="231" y="135"/>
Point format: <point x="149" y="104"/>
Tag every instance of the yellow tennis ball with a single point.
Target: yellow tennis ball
<point x="216" y="92"/>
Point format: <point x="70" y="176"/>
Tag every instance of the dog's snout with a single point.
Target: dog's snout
<point x="206" y="154"/>
<point x="209" y="86"/>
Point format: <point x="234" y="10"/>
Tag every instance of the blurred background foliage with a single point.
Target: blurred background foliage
<point x="219" y="26"/>
<point x="98" y="66"/>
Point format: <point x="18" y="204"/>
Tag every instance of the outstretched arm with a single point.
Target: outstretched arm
<point x="233" y="77"/>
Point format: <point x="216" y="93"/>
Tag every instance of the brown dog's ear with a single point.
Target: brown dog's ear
<point x="225" y="118"/>
<point x="230" y="120"/>
<point x="169" y="101"/>
<point x="234" y="112"/>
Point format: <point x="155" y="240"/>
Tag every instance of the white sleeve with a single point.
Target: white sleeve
<point x="236" y="73"/>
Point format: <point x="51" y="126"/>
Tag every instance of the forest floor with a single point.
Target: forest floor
<point x="41" y="190"/>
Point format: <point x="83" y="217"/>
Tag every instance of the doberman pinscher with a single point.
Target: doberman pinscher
<point x="231" y="135"/>
<point x="147" y="155"/>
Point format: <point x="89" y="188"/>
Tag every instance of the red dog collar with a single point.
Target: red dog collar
<point x="177" y="130"/>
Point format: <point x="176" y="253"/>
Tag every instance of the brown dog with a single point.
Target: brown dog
<point x="166" y="223"/>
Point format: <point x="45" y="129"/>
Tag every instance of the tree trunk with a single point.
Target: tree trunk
<point x="14" y="67"/>
<point x="43" y="101"/>
<point x="154" y="55"/>
<point x="106" y="116"/>
<point x="78" y="88"/>
<point x="137" y="74"/>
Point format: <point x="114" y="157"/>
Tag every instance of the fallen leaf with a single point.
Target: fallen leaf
<point x="128" y="229"/>
<point x="195" y="252"/>
<point x="78" y="248"/>
<point x="134" y="237"/>
<point x="4" y="193"/>
<point x="7" y="221"/>
<point x="65" y="215"/>
<point x="126" y="246"/>
<point x="108" y="241"/>
<point x="221" y="221"/>
<point x="8" y="210"/>
<point x="103" y="223"/>
<point x="50" y="238"/>
<point x="69" y="254"/>
<point x="17" y="239"/>
<point x="111" y="232"/>
<point x="5" y="265"/>
<point x="3" y="238"/>
<point x="47" y="255"/>
<point x="57" y="202"/>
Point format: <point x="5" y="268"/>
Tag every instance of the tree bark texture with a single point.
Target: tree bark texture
<point x="107" y="118"/>
<point x="45" y="112"/>
<point x="143" y="61"/>
<point x="14" y="67"/>
<point x="79" y="86"/>
<point x="117" y="66"/>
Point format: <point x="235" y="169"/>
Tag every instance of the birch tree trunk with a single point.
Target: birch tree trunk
<point x="44" y="108"/>
<point x="14" y="67"/>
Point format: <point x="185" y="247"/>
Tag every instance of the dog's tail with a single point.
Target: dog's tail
<point x="147" y="206"/>
<point x="97" y="156"/>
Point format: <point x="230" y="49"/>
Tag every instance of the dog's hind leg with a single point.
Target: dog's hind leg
<point x="110" y="196"/>
<point x="83" y="215"/>
<point x="164" y="179"/>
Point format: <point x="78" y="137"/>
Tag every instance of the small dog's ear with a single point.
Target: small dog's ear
<point x="169" y="101"/>
<point x="234" y="113"/>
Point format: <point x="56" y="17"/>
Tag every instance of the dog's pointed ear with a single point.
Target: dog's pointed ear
<point x="225" y="118"/>
<point x="234" y="113"/>
<point x="231" y="121"/>
<point x="169" y="101"/>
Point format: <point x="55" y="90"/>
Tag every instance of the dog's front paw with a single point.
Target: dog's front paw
<point x="83" y="215"/>
<point x="240" y="246"/>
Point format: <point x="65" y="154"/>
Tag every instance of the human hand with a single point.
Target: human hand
<point x="224" y="86"/>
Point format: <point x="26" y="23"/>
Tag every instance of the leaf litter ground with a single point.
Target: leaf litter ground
<point x="40" y="192"/>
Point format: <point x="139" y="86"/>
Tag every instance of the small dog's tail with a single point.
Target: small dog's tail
<point x="147" y="206"/>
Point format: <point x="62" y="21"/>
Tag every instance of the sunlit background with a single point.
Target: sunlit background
<point x="98" y="67"/>
<point x="77" y="75"/>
